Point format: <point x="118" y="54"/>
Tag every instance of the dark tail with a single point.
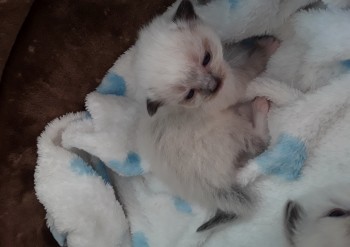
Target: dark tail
<point x="236" y="195"/>
<point x="219" y="218"/>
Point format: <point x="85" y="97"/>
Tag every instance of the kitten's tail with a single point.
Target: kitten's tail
<point x="236" y="199"/>
<point x="219" y="218"/>
<point x="232" y="203"/>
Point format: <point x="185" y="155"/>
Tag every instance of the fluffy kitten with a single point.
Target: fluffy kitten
<point x="197" y="134"/>
<point x="321" y="219"/>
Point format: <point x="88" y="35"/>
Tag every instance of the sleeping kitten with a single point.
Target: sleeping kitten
<point x="320" y="220"/>
<point x="197" y="134"/>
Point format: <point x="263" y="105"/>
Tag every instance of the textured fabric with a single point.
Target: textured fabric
<point x="61" y="54"/>
<point x="308" y="128"/>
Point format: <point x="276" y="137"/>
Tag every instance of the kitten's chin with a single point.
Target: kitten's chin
<point x="191" y="107"/>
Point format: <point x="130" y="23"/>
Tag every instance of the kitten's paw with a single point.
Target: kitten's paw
<point x="274" y="91"/>
<point x="261" y="105"/>
<point x="269" y="44"/>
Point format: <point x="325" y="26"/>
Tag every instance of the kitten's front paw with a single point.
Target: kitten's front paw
<point x="261" y="105"/>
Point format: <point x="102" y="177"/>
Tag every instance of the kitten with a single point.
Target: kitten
<point x="196" y="134"/>
<point x="320" y="220"/>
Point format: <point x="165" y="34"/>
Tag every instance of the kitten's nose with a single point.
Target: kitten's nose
<point x="215" y="84"/>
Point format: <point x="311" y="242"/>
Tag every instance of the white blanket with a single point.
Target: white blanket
<point x="97" y="190"/>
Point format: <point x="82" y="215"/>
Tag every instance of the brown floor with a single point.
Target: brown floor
<point x="61" y="53"/>
<point x="12" y="15"/>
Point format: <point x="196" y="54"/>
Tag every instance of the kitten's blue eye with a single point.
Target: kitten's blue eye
<point x="337" y="212"/>
<point x="206" y="59"/>
<point x="190" y="94"/>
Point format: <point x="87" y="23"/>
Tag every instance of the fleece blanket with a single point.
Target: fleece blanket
<point x="98" y="191"/>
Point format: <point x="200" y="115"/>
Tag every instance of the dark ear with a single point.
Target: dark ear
<point x="152" y="106"/>
<point x="292" y="215"/>
<point x="185" y="11"/>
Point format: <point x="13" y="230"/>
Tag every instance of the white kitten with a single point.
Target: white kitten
<point x="197" y="134"/>
<point x="321" y="219"/>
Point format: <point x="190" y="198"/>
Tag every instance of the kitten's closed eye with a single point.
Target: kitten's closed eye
<point x="190" y="94"/>
<point x="337" y="213"/>
<point x="206" y="59"/>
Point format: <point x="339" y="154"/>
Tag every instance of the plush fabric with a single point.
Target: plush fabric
<point x="61" y="54"/>
<point x="307" y="124"/>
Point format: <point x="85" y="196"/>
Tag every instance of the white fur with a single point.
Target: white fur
<point x="249" y="17"/>
<point x="315" y="228"/>
<point x="165" y="56"/>
<point x="196" y="149"/>
<point x="314" y="44"/>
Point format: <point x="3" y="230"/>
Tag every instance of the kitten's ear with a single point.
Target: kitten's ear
<point x="152" y="106"/>
<point x="185" y="12"/>
<point x="293" y="214"/>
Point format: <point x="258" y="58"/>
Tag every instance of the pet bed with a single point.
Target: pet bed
<point x="97" y="190"/>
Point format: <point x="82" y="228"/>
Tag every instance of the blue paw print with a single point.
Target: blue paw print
<point x="61" y="239"/>
<point x="130" y="167"/>
<point x="139" y="240"/>
<point x="285" y="159"/>
<point x="101" y="170"/>
<point x="346" y="63"/>
<point x="112" y="84"/>
<point x="80" y="167"/>
<point x="182" y="206"/>
<point x="87" y="115"/>
<point x="233" y="3"/>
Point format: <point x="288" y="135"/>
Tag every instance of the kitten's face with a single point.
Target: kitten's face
<point x="180" y="62"/>
<point x="322" y="221"/>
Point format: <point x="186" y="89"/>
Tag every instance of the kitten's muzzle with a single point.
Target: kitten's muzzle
<point x="211" y="85"/>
